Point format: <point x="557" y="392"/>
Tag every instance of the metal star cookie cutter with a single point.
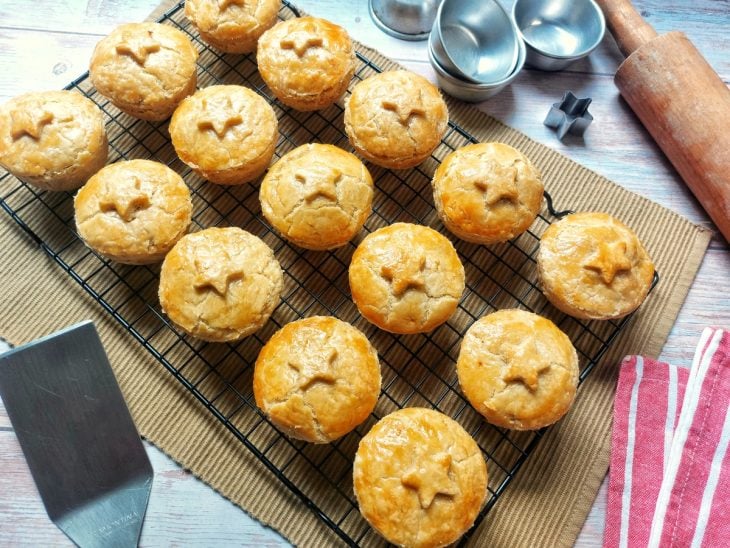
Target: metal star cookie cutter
<point x="570" y="115"/>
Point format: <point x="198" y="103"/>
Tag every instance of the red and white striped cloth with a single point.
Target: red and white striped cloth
<point x="669" y="484"/>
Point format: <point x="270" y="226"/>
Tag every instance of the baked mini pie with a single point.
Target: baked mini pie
<point x="518" y="369"/>
<point x="406" y="278"/>
<point x="227" y="134"/>
<point x="420" y="479"/>
<point x="233" y="26"/>
<point x="145" y="69"/>
<point x="133" y="211"/>
<point x="592" y="266"/>
<point x="307" y="62"/>
<point x="54" y="140"/>
<point x="220" y="284"/>
<point x="395" y="119"/>
<point x="487" y="192"/>
<point x="317" y="379"/>
<point x="317" y="196"/>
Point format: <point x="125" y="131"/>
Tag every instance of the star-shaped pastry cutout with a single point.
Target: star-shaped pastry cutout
<point x="125" y="197"/>
<point x="404" y="113"/>
<point x="301" y="42"/>
<point x="30" y="123"/>
<point x="215" y="270"/>
<point x="430" y="477"/>
<point x="312" y="368"/>
<point x="525" y="365"/>
<point x="405" y="273"/>
<point x="219" y="117"/>
<point x="609" y="259"/>
<point x="225" y="4"/>
<point x="501" y="185"/>
<point x="139" y="48"/>
<point x="320" y="183"/>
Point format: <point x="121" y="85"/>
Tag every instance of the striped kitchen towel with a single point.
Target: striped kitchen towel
<point x="648" y="398"/>
<point x="670" y="469"/>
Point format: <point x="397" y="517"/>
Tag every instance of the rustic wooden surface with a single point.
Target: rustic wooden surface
<point x="44" y="45"/>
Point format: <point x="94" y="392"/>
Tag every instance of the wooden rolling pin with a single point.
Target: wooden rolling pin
<point x="680" y="100"/>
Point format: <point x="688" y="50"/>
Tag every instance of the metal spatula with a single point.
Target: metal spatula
<point x="75" y="430"/>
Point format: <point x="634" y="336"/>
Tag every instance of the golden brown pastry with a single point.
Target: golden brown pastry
<point x="227" y="134"/>
<point x="133" y="211"/>
<point x="518" y="369"/>
<point x="317" y="196"/>
<point x="307" y="62"/>
<point x="220" y="284"/>
<point x="419" y="478"/>
<point x="395" y="119"/>
<point x="487" y="192"/>
<point x="406" y="278"/>
<point x="145" y="69"/>
<point x="233" y="26"/>
<point x="592" y="266"/>
<point x="317" y="379"/>
<point x="54" y="140"/>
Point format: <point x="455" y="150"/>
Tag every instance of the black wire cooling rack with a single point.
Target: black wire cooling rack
<point x="418" y="370"/>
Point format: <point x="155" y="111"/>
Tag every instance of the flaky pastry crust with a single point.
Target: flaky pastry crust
<point x="145" y="69"/>
<point x="406" y="278"/>
<point x="233" y="26"/>
<point x="220" y="284"/>
<point x="133" y="211"/>
<point x="518" y="369"/>
<point x="317" y="196"/>
<point x="419" y="478"/>
<point x="227" y="134"/>
<point x="307" y="62"/>
<point x="487" y="192"/>
<point x="395" y="119"/>
<point x="317" y="378"/>
<point x="592" y="266"/>
<point x="54" y="140"/>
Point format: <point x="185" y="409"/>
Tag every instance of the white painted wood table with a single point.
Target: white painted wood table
<point x="44" y="44"/>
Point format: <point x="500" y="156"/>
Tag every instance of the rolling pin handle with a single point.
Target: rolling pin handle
<point x="626" y="24"/>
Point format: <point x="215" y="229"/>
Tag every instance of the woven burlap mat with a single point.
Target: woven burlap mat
<point x="547" y="502"/>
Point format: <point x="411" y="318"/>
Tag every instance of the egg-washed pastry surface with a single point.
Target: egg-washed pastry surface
<point x="419" y="478"/>
<point x="145" y="69"/>
<point x="53" y="140"/>
<point x="317" y="196"/>
<point x="226" y="133"/>
<point x="592" y="266"/>
<point x="220" y="284"/>
<point x="307" y="62"/>
<point x="518" y="369"/>
<point x="317" y="378"/>
<point x="487" y="192"/>
<point x="233" y="26"/>
<point x="406" y="278"/>
<point x="133" y="211"/>
<point x="395" y="119"/>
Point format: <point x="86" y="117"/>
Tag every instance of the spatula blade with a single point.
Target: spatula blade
<point x="78" y="437"/>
